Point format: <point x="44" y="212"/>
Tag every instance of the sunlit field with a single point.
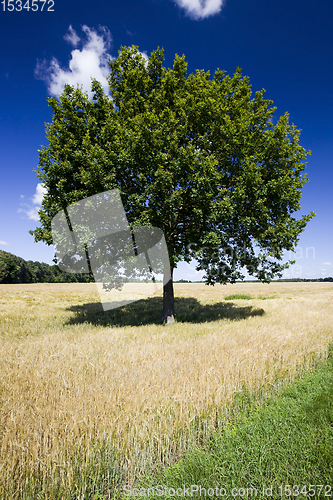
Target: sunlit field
<point x="91" y="400"/>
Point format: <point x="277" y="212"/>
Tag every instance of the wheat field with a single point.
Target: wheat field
<point x="87" y="394"/>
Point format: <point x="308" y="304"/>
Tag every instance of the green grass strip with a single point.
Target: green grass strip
<point x="286" y="441"/>
<point x="238" y="296"/>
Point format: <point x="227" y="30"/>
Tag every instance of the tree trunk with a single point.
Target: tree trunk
<point x="168" y="302"/>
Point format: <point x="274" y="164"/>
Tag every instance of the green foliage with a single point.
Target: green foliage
<point x="198" y="157"/>
<point x="14" y="269"/>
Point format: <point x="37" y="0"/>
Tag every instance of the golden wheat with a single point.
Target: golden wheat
<point x="73" y="376"/>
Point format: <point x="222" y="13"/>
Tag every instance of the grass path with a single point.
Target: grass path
<point x="287" y="441"/>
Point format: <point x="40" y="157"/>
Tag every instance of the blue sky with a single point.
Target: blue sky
<point x="285" y="47"/>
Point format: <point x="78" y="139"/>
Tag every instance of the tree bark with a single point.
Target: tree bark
<point x="168" y="302"/>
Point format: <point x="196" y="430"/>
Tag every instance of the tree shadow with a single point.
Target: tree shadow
<point x="149" y="311"/>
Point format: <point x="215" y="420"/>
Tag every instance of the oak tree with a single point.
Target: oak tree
<point x="196" y="156"/>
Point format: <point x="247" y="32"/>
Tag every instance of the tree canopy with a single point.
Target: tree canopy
<point x="198" y="157"/>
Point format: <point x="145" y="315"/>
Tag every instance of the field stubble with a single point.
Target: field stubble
<point x="82" y="389"/>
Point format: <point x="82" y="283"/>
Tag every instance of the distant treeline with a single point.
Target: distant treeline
<point x="14" y="269"/>
<point x="308" y="279"/>
<point x="293" y="280"/>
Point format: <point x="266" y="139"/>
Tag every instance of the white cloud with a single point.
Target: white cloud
<point x="326" y="264"/>
<point x="146" y="57"/>
<point x="71" y="37"/>
<point x="38" y="196"/>
<point x="200" y="9"/>
<point x="3" y="243"/>
<point x="89" y="62"/>
<point x="32" y="212"/>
